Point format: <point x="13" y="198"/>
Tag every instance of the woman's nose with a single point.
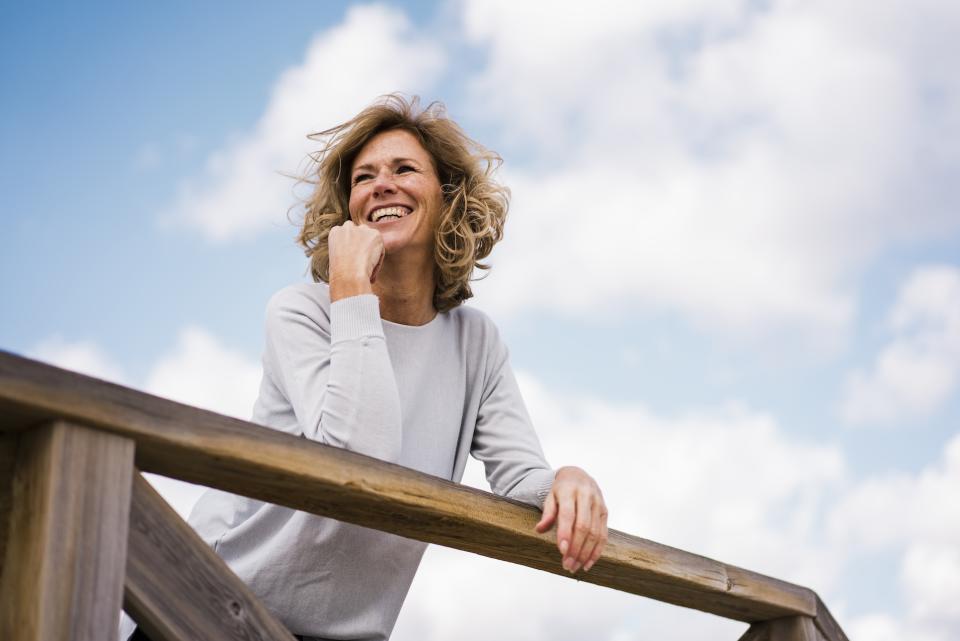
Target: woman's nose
<point x="383" y="183"/>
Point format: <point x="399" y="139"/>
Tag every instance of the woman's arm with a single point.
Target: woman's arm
<point x="505" y="441"/>
<point x="330" y="359"/>
<point x="332" y="366"/>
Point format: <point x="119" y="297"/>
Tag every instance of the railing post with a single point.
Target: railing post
<point x="66" y="551"/>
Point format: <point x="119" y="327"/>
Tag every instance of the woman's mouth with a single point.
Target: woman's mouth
<point x="393" y="212"/>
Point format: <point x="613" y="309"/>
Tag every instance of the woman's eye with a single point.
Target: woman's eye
<point x="359" y="178"/>
<point x="405" y="168"/>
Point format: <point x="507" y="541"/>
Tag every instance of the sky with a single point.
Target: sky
<point x="730" y="281"/>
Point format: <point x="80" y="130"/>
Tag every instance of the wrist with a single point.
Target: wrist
<point x="567" y="470"/>
<point x="343" y="286"/>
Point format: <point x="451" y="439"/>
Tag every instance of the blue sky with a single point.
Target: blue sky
<point x="733" y="250"/>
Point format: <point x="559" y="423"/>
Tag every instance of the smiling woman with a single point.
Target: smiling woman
<point x="473" y="208"/>
<point x="378" y="356"/>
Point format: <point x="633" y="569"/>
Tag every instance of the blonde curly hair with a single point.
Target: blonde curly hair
<point x="474" y="204"/>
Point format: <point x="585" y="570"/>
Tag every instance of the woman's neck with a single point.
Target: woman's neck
<point x="406" y="292"/>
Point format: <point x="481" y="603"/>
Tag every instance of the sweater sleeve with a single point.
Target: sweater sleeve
<point x="331" y="364"/>
<point x="504" y="439"/>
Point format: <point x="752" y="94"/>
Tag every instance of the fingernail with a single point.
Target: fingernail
<point x="563" y="547"/>
<point x="576" y="566"/>
<point x="566" y="564"/>
<point x="587" y="567"/>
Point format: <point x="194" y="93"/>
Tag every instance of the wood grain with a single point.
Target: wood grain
<point x="177" y="589"/>
<point x="203" y="447"/>
<point x="8" y="450"/>
<point x="66" y="555"/>
<point x="785" y="629"/>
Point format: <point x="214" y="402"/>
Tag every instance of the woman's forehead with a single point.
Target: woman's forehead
<point x="387" y="146"/>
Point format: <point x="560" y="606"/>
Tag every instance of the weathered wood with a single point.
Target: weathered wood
<point x="8" y="450"/>
<point x="784" y="629"/>
<point x="177" y="589"/>
<point x="203" y="447"/>
<point x="827" y="625"/>
<point x="66" y="555"/>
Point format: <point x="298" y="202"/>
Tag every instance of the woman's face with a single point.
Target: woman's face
<point x="395" y="190"/>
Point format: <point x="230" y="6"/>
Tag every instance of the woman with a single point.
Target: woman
<point x="379" y="357"/>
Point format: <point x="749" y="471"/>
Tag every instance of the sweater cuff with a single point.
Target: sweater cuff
<point x="543" y="485"/>
<point x="355" y="317"/>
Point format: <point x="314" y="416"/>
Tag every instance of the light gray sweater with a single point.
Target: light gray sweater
<point x="424" y="397"/>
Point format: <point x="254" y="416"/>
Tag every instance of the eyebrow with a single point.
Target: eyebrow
<point x="395" y="161"/>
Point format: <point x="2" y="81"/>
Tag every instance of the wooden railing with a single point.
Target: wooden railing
<point x="81" y="532"/>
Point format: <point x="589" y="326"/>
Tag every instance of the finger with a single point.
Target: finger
<point x="602" y="543"/>
<point x="593" y="539"/>
<point x="565" y="519"/>
<point x="581" y="530"/>
<point x="549" y="514"/>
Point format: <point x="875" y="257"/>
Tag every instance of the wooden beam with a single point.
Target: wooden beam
<point x="217" y="451"/>
<point x="784" y="629"/>
<point x="66" y="555"/>
<point x="8" y="450"/>
<point x="177" y="589"/>
<point x="827" y="625"/>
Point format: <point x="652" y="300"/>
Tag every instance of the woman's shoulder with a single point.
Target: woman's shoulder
<point x="310" y="299"/>
<point x="474" y="322"/>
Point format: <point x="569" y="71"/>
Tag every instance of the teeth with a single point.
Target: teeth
<point x="389" y="212"/>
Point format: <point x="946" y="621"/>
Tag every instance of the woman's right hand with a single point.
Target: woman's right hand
<point x="356" y="254"/>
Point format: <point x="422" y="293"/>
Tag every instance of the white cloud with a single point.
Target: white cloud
<point x="202" y="372"/>
<point x="85" y="357"/>
<point x="725" y="482"/>
<point x="917" y="372"/>
<point x="897" y="509"/>
<point x="373" y="52"/>
<point x="877" y="627"/>
<point x="916" y="518"/>
<point x="588" y="241"/>
<point x="735" y="162"/>
<point x="931" y="575"/>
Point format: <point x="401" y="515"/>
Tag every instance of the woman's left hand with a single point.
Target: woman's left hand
<point x="576" y="505"/>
